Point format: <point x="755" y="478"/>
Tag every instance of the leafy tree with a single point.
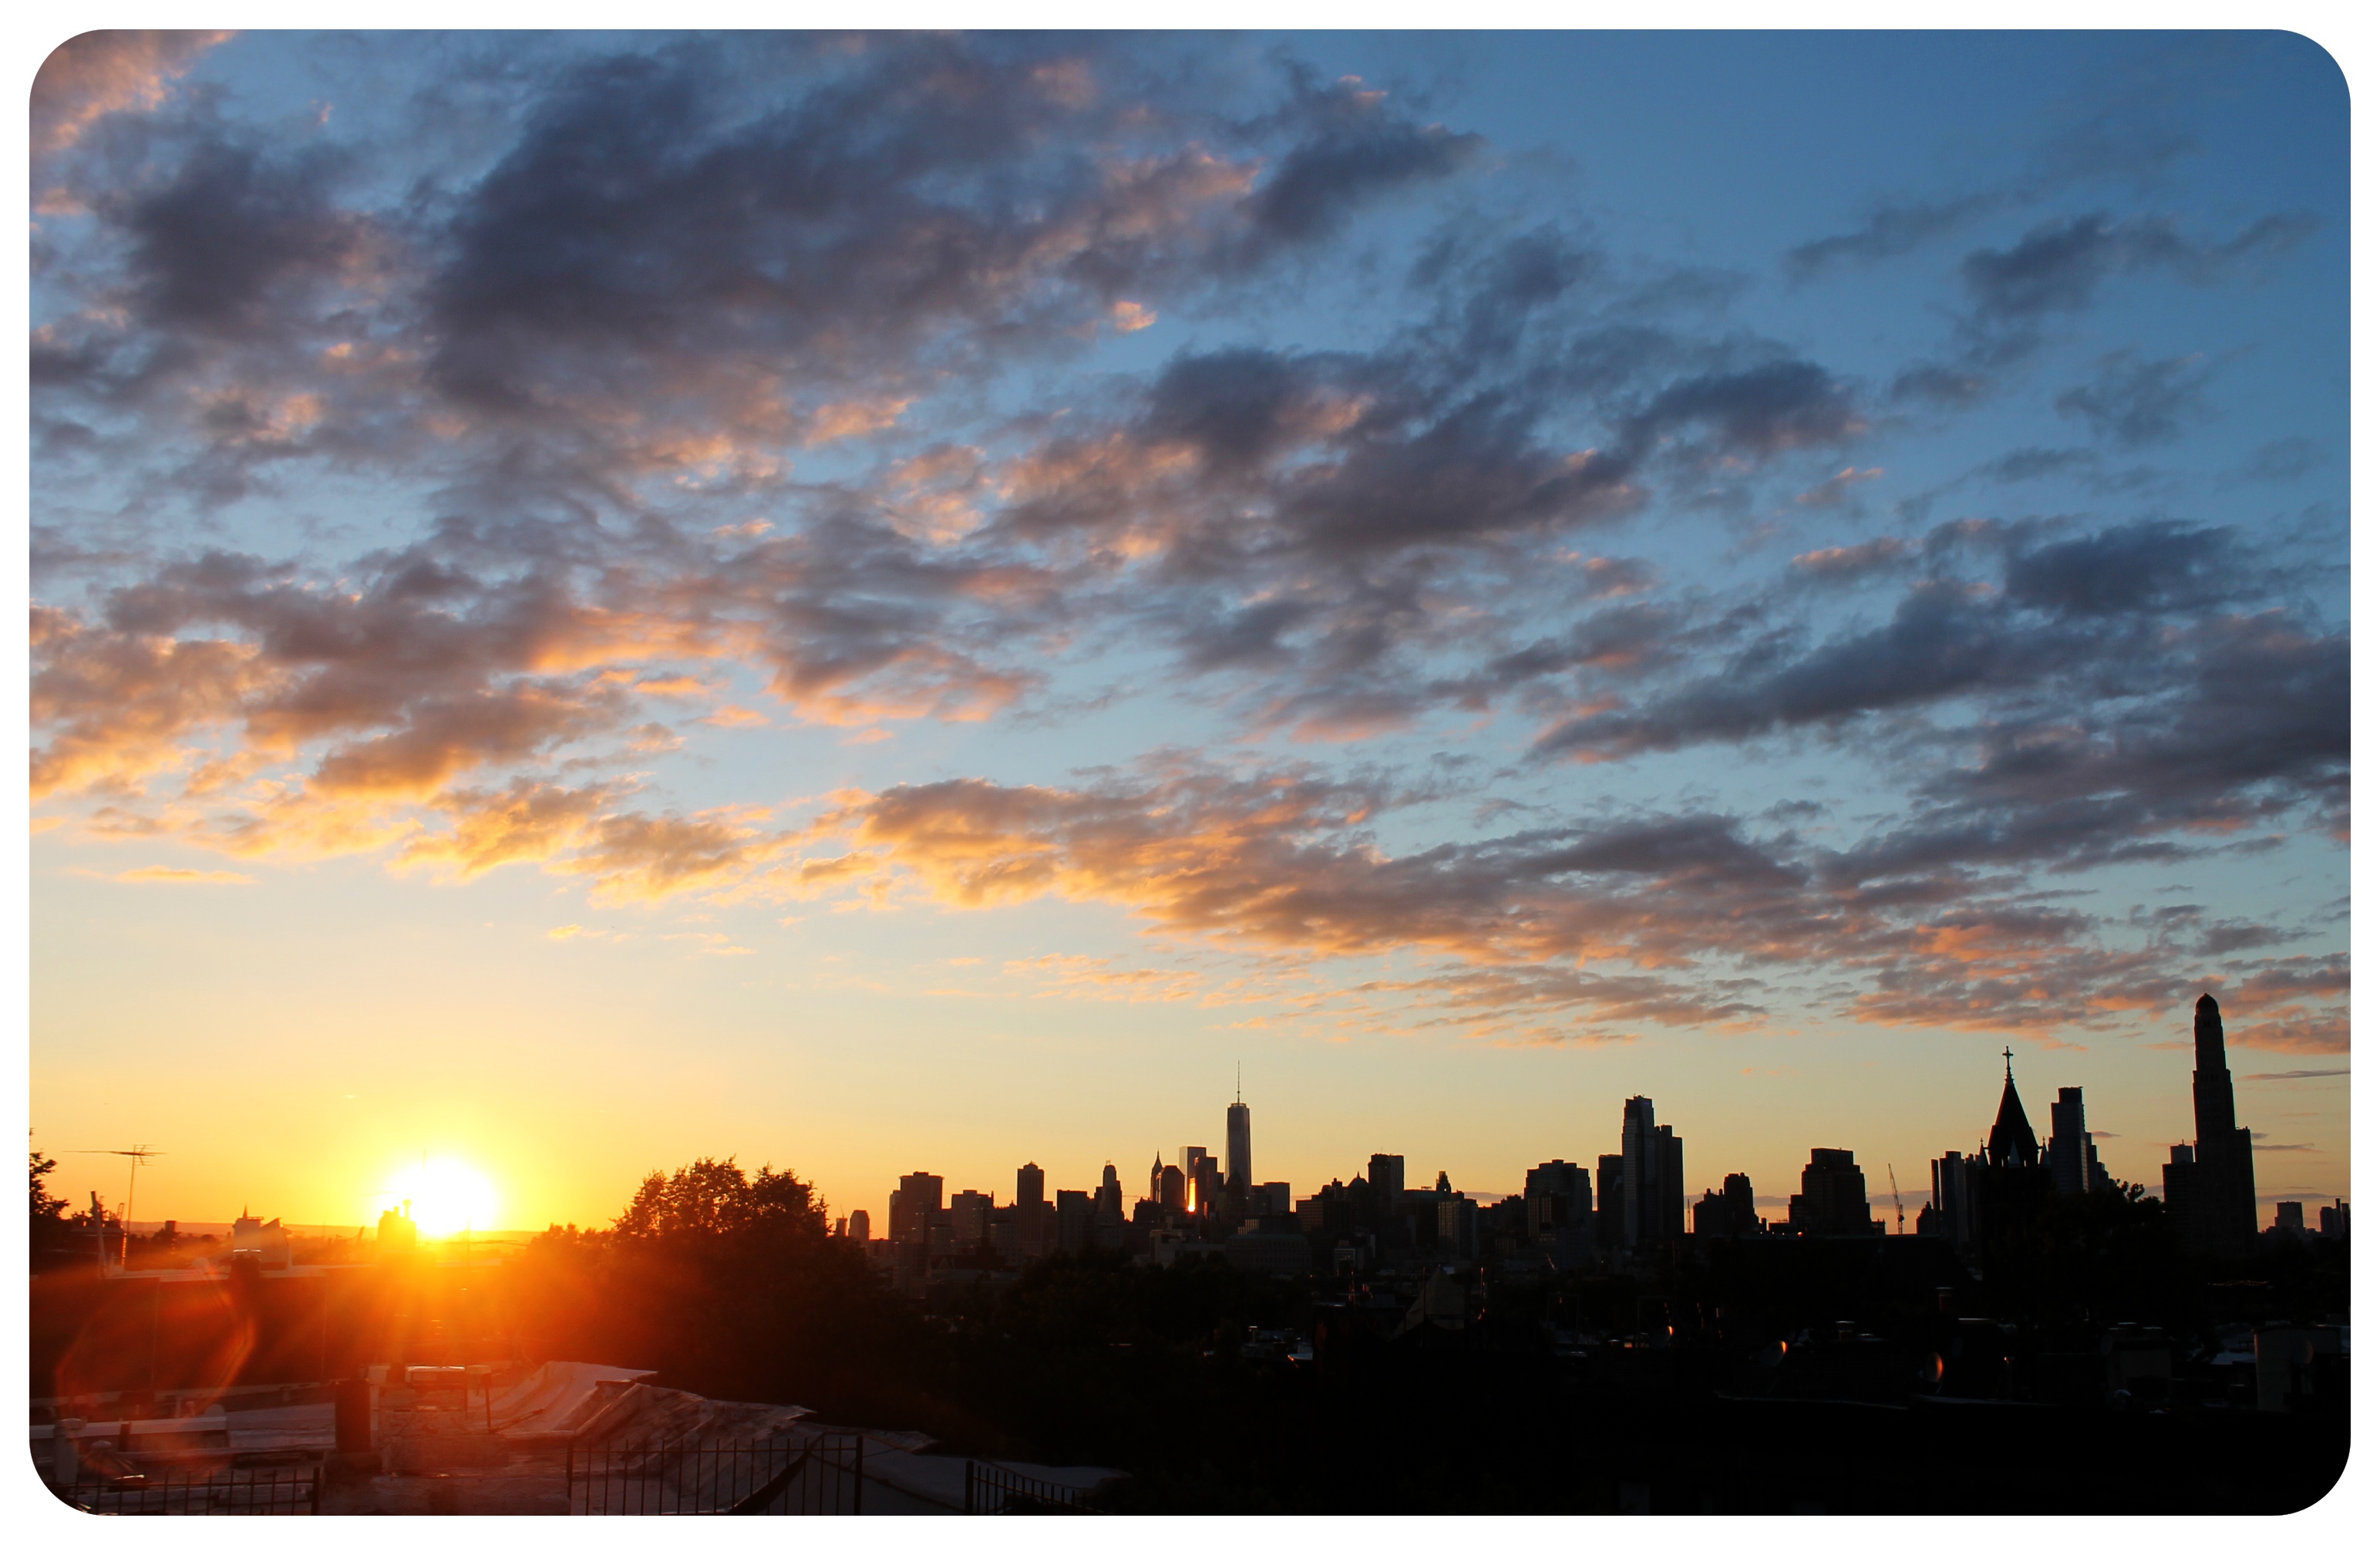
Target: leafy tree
<point x="2090" y="1259"/>
<point x="712" y="1199"/>
<point x="730" y="1283"/>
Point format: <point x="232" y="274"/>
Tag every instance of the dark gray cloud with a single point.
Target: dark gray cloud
<point x="2156" y="565"/>
<point x="2126" y="700"/>
<point x="2284" y="460"/>
<point x="2059" y="269"/>
<point x="2137" y="402"/>
<point x="2058" y="266"/>
<point x="1890" y="230"/>
<point x="644" y="240"/>
<point x="1941" y="641"/>
<point x="1350" y="150"/>
<point x="210" y="247"/>
<point x="2033" y="462"/>
<point x="2249" y="727"/>
<point x="1783" y="405"/>
<point x="1701" y="851"/>
<point x="2233" y="938"/>
<point x="1939" y="385"/>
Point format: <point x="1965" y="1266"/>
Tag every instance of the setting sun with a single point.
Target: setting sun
<point x="447" y="1196"/>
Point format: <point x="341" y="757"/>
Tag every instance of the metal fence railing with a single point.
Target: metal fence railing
<point x="245" y="1492"/>
<point x="992" y="1488"/>
<point x="811" y="1474"/>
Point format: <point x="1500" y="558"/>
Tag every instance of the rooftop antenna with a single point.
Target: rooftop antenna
<point x="140" y="1153"/>
<point x="1899" y="1213"/>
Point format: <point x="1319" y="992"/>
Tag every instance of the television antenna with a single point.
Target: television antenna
<point x="140" y="1153"/>
<point x="1899" y="1213"/>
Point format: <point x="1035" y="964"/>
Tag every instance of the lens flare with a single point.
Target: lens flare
<point x="445" y="1196"/>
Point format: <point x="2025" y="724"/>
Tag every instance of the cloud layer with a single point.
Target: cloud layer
<point x="428" y="490"/>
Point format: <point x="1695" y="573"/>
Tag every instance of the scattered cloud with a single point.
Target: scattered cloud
<point x="94" y="74"/>
<point x="163" y="874"/>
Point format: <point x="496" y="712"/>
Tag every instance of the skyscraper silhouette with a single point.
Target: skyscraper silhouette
<point x="1652" y="1175"/>
<point x="1638" y="1167"/>
<point x="2074" y="1164"/>
<point x="1239" y="1164"/>
<point x="2216" y="1207"/>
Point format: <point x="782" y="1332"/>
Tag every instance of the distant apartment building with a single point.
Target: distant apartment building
<point x="917" y="1207"/>
<point x="1204" y="1182"/>
<point x="1833" y="1199"/>
<point x="1729" y="1212"/>
<point x="970" y="1218"/>
<point x="2073" y="1158"/>
<point x="1612" y="1201"/>
<point x="1077" y="1213"/>
<point x="1557" y="1195"/>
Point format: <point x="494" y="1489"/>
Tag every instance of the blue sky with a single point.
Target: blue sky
<point x="886" y="601"/>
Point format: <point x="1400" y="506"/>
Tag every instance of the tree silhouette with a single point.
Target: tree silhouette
<point x="46" y="1227"/>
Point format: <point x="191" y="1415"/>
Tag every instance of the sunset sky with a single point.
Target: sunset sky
<point x="877" y="603"/>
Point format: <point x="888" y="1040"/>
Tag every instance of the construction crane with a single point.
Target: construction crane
<point x="140" y="1153"/>
<point x="1899" y="1213"/>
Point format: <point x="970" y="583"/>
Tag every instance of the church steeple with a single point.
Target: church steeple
<point x="2011" y="1142"/>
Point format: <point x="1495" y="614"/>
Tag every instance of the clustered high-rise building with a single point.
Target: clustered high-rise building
<point x="2210" y="1186"/>
<point x="1994" y="1191"/>
<point x="1628" y="1205"/>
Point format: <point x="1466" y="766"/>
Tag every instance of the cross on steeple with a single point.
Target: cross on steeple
<point x="2009" y="1055"/>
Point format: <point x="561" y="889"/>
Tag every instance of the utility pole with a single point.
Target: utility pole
<point x="140" y="1153"/>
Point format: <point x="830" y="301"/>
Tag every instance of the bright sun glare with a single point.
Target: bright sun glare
<point x="447" y="1196"/>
